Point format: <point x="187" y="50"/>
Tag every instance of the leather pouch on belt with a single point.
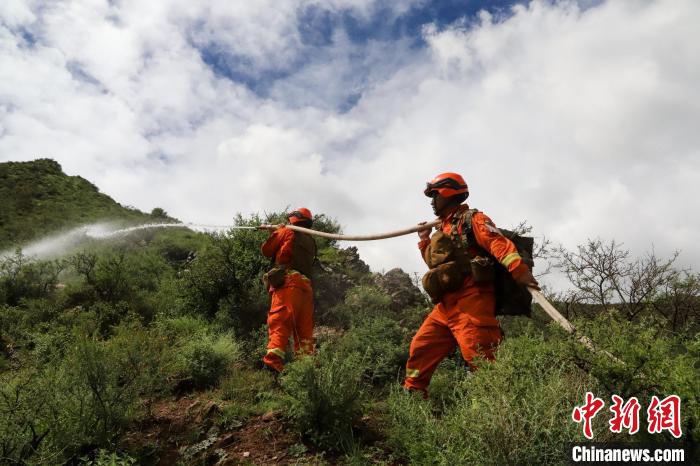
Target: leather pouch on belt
<point x="443" y="279"/>
<point x="274" y="277"/>
<point x="439" y="251"/>
<point x="482" y="269"/>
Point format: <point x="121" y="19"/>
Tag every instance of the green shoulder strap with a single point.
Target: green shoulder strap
<point x="466" y="238"/>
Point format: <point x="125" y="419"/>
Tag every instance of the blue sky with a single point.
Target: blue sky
<point x="386" y="25"/>
<point x="579" y="117"/>
<point x="317" y="25"/>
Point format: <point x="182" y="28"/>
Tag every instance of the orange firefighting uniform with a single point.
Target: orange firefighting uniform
<point x="465" y="317"/>
<point x="292" y="307"/>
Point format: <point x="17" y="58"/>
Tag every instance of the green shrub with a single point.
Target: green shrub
<point x="24" y="278"/>
<point x="204" y="365"/>
<point x="383" y="346"/>
<point x="144" y="358"/>
<point x="24" y="419"/>
<point x="224" y="281"/>
<point x="108" y="315"/>
<point x="84" y="398"/>
<point x="181" y="327"/>
<point x="524" y="400"/>
<point x="166" y="299"/>
<point x="107" y="458"/>
<point x="13" y="324"/>
<point x="325" y="394"/>
<point x="365" y="302"/>
<point x="253" y="346"/>
<point x="125" y="274"/>
<point x="41" y="310"/>
<point x="50" y="344"/>
<point x="517" y="410"/>
<point x="201" y="356"/>
<point x="444" y="391"/>
<point x="244" y="385"/>
<point x="93" y="397"/>
<point x="250" y="392"/>
<point x="50" y="415"/>
<point x="206" y="359"/>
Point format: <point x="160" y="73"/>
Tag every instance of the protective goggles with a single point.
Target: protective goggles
<point x="431" y="189"/>
<point x="299" y="215"/>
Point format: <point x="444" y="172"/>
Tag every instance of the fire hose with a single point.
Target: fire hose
<point x="556" y="316"/>
<point x="391" y="234"/>
<point x="548" y="308"/>
<point x="537" y="295"/>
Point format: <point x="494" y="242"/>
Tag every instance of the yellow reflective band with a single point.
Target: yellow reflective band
<point x="510" y="258"/>
<point x="413" y="373"/>
<point x="277" y="351"/>
<point x="296" y="272"/>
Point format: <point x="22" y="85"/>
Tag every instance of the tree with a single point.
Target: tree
<point x="157" y="212"/>
<point x="21" y="277"/>
<point x="679" y="302"/>
<point x="604" y="276"/>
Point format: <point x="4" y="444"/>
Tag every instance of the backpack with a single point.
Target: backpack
<point x="303" y="257"/>
<point x="303" y="253"/>
<point x="512" y="299"/>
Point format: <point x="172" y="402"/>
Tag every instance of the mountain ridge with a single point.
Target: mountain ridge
<point x="38" y="198"/>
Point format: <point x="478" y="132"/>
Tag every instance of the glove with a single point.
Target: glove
<point x="527" y="279"/>
<point x="424" y="234"/>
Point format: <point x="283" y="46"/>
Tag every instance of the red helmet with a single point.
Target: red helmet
<point x="299" y="215"/>
<point x="446" y="185"/>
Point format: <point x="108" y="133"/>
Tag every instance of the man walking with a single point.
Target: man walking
<point x="464" y="315"/>
<point x="289" y="284"/>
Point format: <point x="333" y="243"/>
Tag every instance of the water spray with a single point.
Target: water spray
<point x="105" y="231"/>
<point x="99" y="233"/>
<point x="54" y="245"/>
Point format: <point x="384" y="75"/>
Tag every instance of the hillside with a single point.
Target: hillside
<point x="38" y="198"/>
<point x="146" y="349"/>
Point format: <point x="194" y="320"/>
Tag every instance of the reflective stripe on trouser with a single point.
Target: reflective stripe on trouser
<point x="277" y="351"/>
<point x="447" y="327"/>
<point x="291" y="313"/>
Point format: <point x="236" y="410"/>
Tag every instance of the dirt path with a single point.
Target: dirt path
<point x="186" y="431"/>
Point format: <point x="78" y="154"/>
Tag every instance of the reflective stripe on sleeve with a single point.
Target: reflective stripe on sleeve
<point x="296" y="272"/>
<point x="510" y="258"/>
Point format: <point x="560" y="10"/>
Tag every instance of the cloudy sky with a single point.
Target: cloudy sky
<point x="580" y="117"/>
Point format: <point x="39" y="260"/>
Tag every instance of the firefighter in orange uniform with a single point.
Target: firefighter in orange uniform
<point x="289" y="283"/>
<point x="464" y="317"/>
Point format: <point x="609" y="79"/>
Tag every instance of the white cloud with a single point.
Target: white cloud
<point x="15" y="13"/>
<point x="582" y="122"/>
